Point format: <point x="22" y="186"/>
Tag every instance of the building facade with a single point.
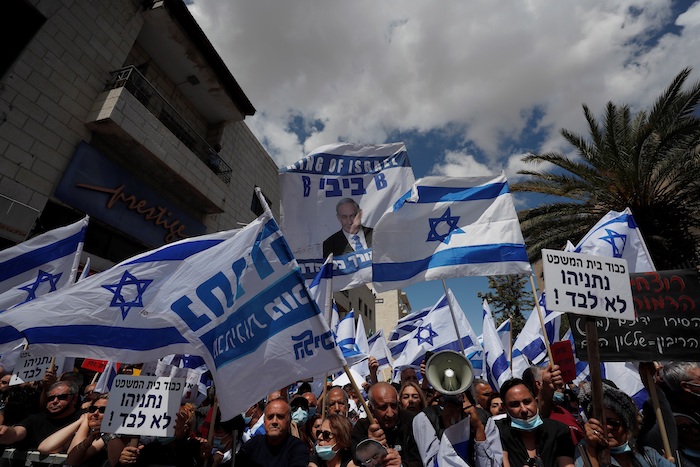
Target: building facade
<point x="123" y="110"/>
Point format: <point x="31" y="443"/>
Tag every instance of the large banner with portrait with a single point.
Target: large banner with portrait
<point x="331" y="200"/>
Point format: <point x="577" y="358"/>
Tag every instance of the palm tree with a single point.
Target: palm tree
<point x="648" y="161"/>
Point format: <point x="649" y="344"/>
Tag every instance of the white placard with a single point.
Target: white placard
<point x="588" y="285"/>
<point x="31" y="368"/>
<point x="190" y="388"/>
<point x="143" y="405"/>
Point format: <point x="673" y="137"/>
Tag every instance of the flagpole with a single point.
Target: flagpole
<point x="539" y="314"/>
<point x="510" y="341"/>
<point x="454" y="320"/>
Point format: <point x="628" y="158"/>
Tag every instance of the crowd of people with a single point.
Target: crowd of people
<point x="535" y="420"/>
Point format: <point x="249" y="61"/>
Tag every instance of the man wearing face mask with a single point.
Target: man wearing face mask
<point x="527" y="438"/>
<point x="253" y="420"/>
<point x="546" y="383"/>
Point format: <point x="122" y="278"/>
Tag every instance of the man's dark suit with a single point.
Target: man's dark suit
<point x="338" y="243"/>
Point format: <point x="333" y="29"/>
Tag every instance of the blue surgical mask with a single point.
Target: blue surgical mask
<point x="558" y="397"/>
<point x="300" y="416"/>
<point x="621" y="449"/>
<point x="247" y="420"/>
<point x="326" y="453"/>
<point x="526" y="425"/>
<point x="312" y="411"/>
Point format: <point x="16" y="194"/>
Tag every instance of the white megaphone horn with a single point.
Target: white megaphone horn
<point x="449" y="372"/>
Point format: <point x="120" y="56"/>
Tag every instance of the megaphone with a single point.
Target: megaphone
<point x="449" y="372"/>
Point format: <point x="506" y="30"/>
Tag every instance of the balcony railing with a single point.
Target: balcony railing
<point x="130" y="78"/>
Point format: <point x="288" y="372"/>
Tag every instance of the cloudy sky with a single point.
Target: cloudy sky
<point x="468" y="86"/>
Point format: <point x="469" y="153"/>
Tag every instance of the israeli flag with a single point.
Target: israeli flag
<point x="617" y="235"/>
<point x="435" y="333"/>
<point x="345" y="338"/>
<point x="41" y="265"/>
<point x="370" y="176"/>
<point x="379" y="350"/>
<point x="321" y="289"/>
<point x="363" y="345"/>
<point x="409" y="323"/>
<point x="504" y="334"/>
<point x="449" y="227"/>
<point x="497" y="367"/>
<point x="108" y="316"/>
<point x="235" y="298"/>
<point x="530" y="347"/>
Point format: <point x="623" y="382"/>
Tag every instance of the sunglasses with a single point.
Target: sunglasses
<point x="324" y="435"/>
<point x="613" y="423"/>
<point x="94" y="408"/>
<point x="60" y="397"/>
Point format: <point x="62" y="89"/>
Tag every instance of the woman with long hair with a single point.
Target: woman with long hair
<point x="412" y="398"/>
<point x="333" y="443"/>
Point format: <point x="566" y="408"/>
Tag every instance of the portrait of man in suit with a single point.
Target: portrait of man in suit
<point x="352" y="236"/>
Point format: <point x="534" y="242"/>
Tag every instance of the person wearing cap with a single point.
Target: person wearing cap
<point x="621" y="427"/>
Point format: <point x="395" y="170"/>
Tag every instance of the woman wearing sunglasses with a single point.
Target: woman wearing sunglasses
<point x="620" y="418"/>
<point x="82" y="439"/>
<point x="333" y="443"/>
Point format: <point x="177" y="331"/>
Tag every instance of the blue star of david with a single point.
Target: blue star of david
<point x="42" y="277"/>
<point x="429" y="338"/>
<point x="450" y="220"/>
<point x="131" y="283"/>
<point x="612" y="238"/>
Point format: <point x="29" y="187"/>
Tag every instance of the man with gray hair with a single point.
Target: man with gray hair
<point x="61" y="410"/>
<point x="352" y="236"/>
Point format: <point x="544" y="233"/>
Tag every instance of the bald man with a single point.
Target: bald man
<point x="392" y="427"/>
<point x="277" y="447"/>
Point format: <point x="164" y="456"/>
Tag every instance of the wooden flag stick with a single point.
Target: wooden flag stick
<point x="659" y="417"/>
<point x="539" y="314"/>
<point x="359" y="393"/>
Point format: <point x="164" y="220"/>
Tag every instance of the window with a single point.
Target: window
<point x="20" y="22"/>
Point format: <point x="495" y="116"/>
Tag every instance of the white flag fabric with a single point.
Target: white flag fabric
<point x="363" y="346"/>
<point x="454" y="445"/>
<point x="497" y="367"/>
<point x="321" y="289"/>
<point x="530" y="347"/>
<point x="436" y="332"/>
<point x="235" y="298"/>
<point x="379" y="350"/>
<point x="449" y="227"/>
<point x="408" y="323"/>
<point x="371" y="176"/>
<point x="110" y="315"/>
<point x="617" y="235"/>
<point x="345" y="338"/>
<point x="505" y="335"/>
<point x="40" y="265"/>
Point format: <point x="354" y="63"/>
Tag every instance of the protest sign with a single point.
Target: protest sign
<point x="372" y="177"/>
<point x="143" y="405"/>
<point x="563" y="356"/>
<point x="32" y="368"/>
<point x="98" y="366"/>
<point x="667" y="327"/>
<point x="587" y="285"/>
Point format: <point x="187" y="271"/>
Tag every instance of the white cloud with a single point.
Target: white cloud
<point x="366" y="69"/>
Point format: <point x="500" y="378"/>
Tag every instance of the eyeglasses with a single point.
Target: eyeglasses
<point x="94" y="408"/>
<point x="614" y="424"/>
<point x="324" y="435"/>
<point x="60" y="397"/>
